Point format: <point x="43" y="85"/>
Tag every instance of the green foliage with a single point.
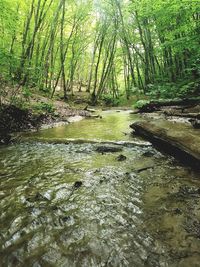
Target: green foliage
<point x="141" y="45"/>
<point x="110" y="101"/>
<point x="141" y="103"/>
<point x="26" y="93"/>
<point x="174" y="90"/>
<point x="44" y="107"/>
<point x="167" y="90"/>
<point x="189" y="89"/>
<point x="18" y="101"/>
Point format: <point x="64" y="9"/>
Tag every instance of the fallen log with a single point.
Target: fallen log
<point x="176" y="139"/>
<point x="157" y="105"/>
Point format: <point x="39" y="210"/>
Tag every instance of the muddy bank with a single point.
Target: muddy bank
<point x="14" y="119"/>
<point x="172" y="130"/>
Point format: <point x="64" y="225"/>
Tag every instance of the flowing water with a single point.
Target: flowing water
<point x="112" y="126"/>
<point x="68" y="205"/>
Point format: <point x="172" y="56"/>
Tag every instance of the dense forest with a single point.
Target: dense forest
<point x="107" y="48"/>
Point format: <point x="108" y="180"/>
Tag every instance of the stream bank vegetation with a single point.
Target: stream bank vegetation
<point x="57" y="54"/>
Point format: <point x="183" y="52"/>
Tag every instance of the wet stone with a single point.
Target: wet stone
<point x="65" y="218"/>
<point x="152" y="260"/>
<point x="108" y="149"/>
<point x="77" y="184"/>
<point x="195" y="123"/>
<point x="3" y="173"/>
<point x="55" y="208"/>
<point x="186" y="191"/>
<point x="144" y="169"/>
<point x="148" y="154"/>
<point x="121" y="158"/>
<point x="36" y="197"/>
<point x="177" y="211"/>
<point x="193" y="227"/>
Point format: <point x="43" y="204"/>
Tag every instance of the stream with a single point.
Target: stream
<point x="68" y="205"/>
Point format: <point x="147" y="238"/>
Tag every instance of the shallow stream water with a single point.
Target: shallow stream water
<point x="68" y="205"/>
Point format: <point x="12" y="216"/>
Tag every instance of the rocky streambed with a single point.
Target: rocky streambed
<point x="94" y="204"/>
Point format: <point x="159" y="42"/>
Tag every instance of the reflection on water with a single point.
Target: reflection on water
<point x="143" y="211"/>
<point x="112" y="126"/>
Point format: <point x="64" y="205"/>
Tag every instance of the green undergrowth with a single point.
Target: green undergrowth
<point x="44" y="107"/>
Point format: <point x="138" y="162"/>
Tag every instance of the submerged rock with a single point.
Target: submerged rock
<point x="148" y="154"/>
<point x="121" y="158"/>
<point x="144" y="169"/>
<point x="94" y="116"/>
<point x="77" y="184"/>
<point x="186" y="191"/>
<point x="108" y="149"/>
<point x="193" y="227"/>
<point x="177" y="211"/>
<point x="65" y="218"/>
<point x="195" y="123"/>
<point x="5" y="138"/>
<point x="37" y="197"/>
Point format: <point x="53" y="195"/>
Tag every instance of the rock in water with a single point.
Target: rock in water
<point x="121" y="158"/>
<point x="5" y="138"/>
<point x="65" y="218"/>
<point x="148" y="154"/>
<point x="77" y="184"/>
<point x="195" y="123"/>
<point x="177" y="211"/>
<point x="108" y="149"/>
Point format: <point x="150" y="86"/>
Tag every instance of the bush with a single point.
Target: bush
<point x="171" y="90"/>
<point x="110" y="101"/>
<point x="18" y="101"/>
<point x="157" y="91"/>
<point x="141" y="103"/>
<point x="26" y="93"/>
<point x="189" y="89"/>
<point x="47" y="107"/>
